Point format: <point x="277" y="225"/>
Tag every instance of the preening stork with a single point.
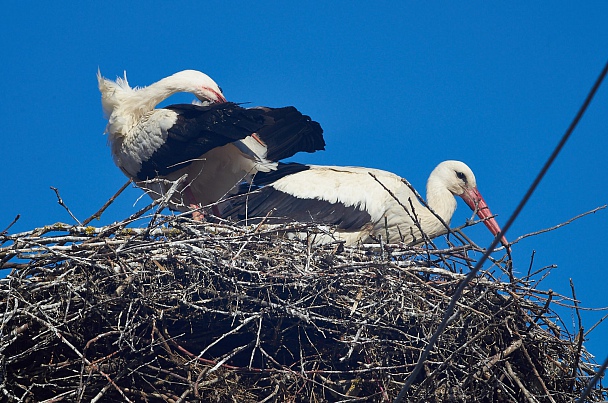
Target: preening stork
<point x="218" y="144"/>
<point x="358" y="205"/>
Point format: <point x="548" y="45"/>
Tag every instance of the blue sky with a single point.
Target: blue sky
<point x="397" y="86"/>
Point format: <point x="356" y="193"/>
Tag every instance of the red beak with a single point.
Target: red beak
<point x="219" y="97"/>
<point x="475" y="201"/>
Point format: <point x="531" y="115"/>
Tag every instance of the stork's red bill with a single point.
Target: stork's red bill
<point x="476" y="202"/>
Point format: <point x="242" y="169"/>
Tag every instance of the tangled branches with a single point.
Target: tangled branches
<point x="179" y="311"/>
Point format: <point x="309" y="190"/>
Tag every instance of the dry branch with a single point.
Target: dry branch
<point x="176" y="310"/>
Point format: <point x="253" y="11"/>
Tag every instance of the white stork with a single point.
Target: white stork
<point x="358" y="205"/>
<point x="218" y="144"/>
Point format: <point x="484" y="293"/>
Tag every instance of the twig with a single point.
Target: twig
<point x="425" y="204"/>
<point x="79" y="354"/>
<point x="542" y="231"/>
<point x="579" y="338"/>
<point x="603" y="318"/>
<point x="519" y="383"/>
<point x="539" y="378"/>
<point x="62" y="204"/>
<point x="103" y="208"/>
<point x="5" y="231"/>
<point x="544" y="309"/>
<point x="598" y="375"/>
<point x="411" y="212"/>
<point x="515" y="345"/>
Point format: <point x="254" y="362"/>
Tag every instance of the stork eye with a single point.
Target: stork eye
<point x="461" y="176"/>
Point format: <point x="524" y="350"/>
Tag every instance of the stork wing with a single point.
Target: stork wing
<point x="199" y="129"/>
<point x="280" y="207"/>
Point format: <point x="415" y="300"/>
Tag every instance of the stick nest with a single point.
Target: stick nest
<point x="182" y="311"/>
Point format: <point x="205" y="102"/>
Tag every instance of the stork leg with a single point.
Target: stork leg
<point x="193" y="204"/>
<point x="197" y="215"/>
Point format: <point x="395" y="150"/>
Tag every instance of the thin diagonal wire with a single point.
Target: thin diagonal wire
<point x="448" y="313"/>
<point x="592" y="383"/>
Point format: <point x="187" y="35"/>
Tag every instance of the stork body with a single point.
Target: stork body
<point x="359" y="206"/>
<point x="217" y="144"/>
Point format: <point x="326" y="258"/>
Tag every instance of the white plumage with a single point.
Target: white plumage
<point x="360" y="206"/>
<point x="217" y="144"/>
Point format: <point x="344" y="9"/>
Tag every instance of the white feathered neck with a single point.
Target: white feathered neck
<point x="125" y="106"/>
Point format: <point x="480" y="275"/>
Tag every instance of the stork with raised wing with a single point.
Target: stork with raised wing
<point x="217" y="144"/>
<point x="360" y="204"/>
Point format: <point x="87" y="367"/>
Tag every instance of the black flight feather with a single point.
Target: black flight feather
<point x="281" y="207"/>
<point x="290" y="132"/>
<point x="199" y="129"/>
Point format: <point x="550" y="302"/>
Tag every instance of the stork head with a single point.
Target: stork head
<point x="124" y="106"/>
<point x="458" y="178"/>
<point x="199" y="84"/>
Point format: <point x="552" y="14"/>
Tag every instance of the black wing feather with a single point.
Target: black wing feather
<point x="289" y="133"/>
<point x="200" y="129"/>
<point x="281" y="207"/>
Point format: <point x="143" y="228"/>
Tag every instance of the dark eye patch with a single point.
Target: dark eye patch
<point x="461" y="176"/>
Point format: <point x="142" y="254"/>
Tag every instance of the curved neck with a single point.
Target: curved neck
<point x="129" y="105"/>
<point x="440" y="199"/>
<point x="147" y="98"/>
